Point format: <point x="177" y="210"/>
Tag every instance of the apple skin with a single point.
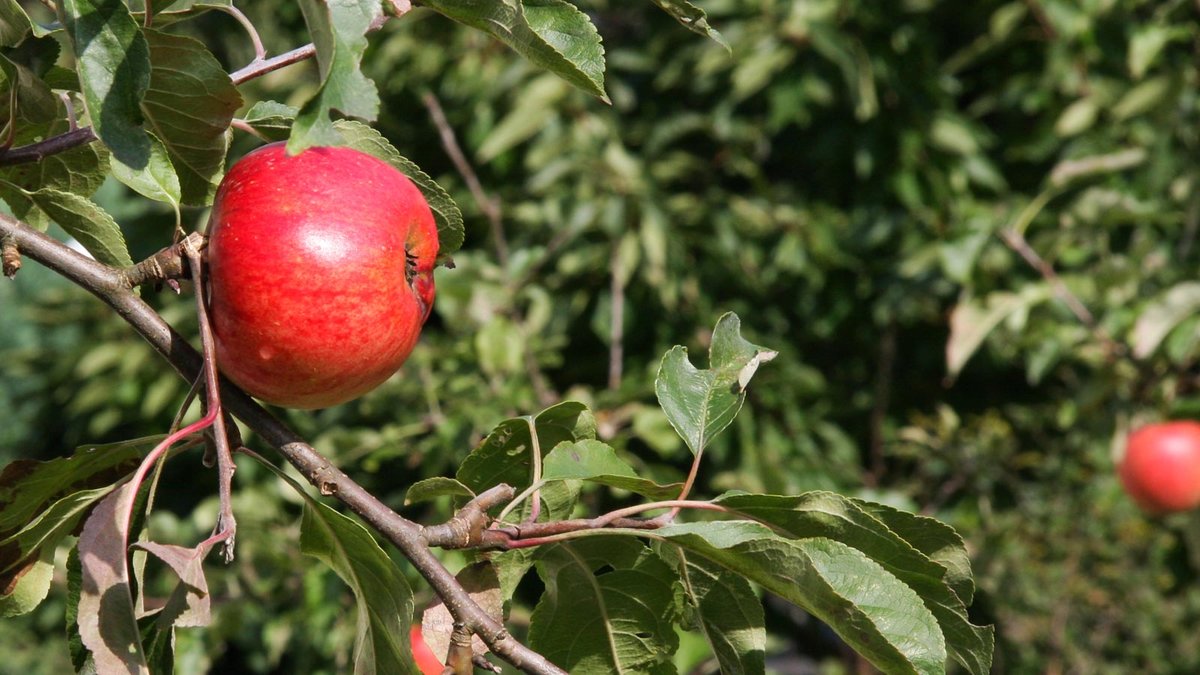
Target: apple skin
<point x="320" y="269"/>
<point x="1161" y="467"/>
<point x="426" y="660"/>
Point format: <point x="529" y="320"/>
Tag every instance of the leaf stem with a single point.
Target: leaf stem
<point x="260" y="52"/>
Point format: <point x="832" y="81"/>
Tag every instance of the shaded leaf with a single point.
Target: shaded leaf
<point x="552" y="34"/>
<point x="701" y="403"/>
<point x="609" y="606"/>
<point x="384" y="604"/>
<point x="725" y="609"/>
<point x="504" y="456"/>
<point x="873" y="611"/>
<point x="432" y="488"/>
<point x="31" y="585"/>
<point x="189" y="603"/>
<point x="189" y="106"/>
<point x="437" y="624"/>
<point x="1162" y="315"/>
<point x="338" y="31"/>
<point x="693" y="18"/>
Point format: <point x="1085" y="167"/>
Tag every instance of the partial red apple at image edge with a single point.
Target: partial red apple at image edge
<point x="320" y="273"/>
<point x="1161" y="466"/>
<point x="424" y="656"/>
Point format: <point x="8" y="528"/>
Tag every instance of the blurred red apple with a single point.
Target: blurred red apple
<point x="320" y="273"/>
<point x="426" y="660"/>
<point x="1161" y="467"/>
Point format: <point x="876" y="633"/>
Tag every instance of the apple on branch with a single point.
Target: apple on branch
<point x="320" y="273"/>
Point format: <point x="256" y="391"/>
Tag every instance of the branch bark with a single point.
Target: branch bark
<point x="111" y="287"/>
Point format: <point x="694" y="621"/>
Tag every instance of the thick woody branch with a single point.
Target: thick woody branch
<point x="111" y="287"/>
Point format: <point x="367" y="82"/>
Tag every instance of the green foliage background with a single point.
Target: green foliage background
<point x="842" y="181"/>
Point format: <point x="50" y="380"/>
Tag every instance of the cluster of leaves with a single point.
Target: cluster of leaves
<point x="160" y="107"/>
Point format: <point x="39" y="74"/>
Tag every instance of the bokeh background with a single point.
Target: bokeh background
<point x="874" y="187"/>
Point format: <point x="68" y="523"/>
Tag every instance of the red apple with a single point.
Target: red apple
<point x="320" y="268"/>
<point x="1161" y="467"/>
<point x="426" y="660"/>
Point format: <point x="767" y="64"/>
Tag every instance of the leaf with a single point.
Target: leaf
<point x="14" y="23"/>
<point x="189" y="604"/>
<point x="384" y="600"/>
<point x="189" y="106"/>
<point x="84" y="220"/>
<point x="609" y="607"/>
<point x="873" y="611"/>
<point x="693" y="18"/>
<point x="29" y="587"/>
<point x="1162" y="315"/>
<point x="41" y="502"/>
<point x="338" y="31"/>
<point x="113" y="60"/>
<point x="726" y="611"/>
<point x="593" y="461"/>
<point x="552" y="34"/>
<point x="973" y="319"/>
<point x="823" y="514"/>
<point x="432" y="488"/>
<point x="504" y="455"/>
<point x="449" y="218"/>
<point x="437" y="624"/>
<point x="933" y="538"/>
<point x="701" y="403"/>
<point x="271" y="118"/>
<point x="81" y="659"/>
<point x="80" y="170"/>
<point x="35" y="102"/>
<point x="107" y="624"/>
<point x="156" y="179"/>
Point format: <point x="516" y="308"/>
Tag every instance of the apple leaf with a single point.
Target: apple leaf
<point x="693" y="18"/>
<point x="609" y="607"/>
<point x="189" y="604"/>
<point x="87" y="222"/>
<point x="189" y="106"/>
<point x="113" y="60"/>
<point x="107" y="623"/>
<point x="479" y="580"/>
<point x="724" y="607"/>
<point x="552" y="34"/>
<point x="701" y="403"/>
<point x="832" y="516"/>
<point x="1162" y="315"/>
<point x="272" y="119"/>
<point x="445" y="212"/>
<point x="156" y="179"/>
<point x="80" y="170"/>
<point x="385" y="603"/>
<point x="34" y="101"/>
<point x="593" y="461"/>
<point x="27" y="590"/>
<point x="15" y="24"/>
<point x="339" y="32"/>
<point x="973" y="319"/>
<point x="432" y="488"/>
<point x="873" y="611"/>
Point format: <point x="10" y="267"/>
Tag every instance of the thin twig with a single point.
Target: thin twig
<point x="616" y="332"/>
<point x="260" y="68"/>
<point x="488" y="205"/>
<point x="260" y="52"/>
<point x="107" y="284"/>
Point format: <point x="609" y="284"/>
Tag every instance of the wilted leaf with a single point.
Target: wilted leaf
<point x="609" y="607"/>
<point x="189" y="604"/>
<point x="702" y="403"/>
<point x="972" y="320"/>
<point x="338" y="31"/>
<point x="437" y="624"/>
<point x="693" y="18"/>
<point x="30" y="586"/>
<point x="552" y="34"/>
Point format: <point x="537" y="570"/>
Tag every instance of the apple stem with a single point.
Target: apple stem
<point x="226" y="523"/>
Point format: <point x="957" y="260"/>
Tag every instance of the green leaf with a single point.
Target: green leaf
<point x="973" y="319"/>
<point x="823" y="514"/>
<point x="272" y="119"/>
<point x="384" y="599"/>
<point x="701" y="403"/>
<point x="35" y="102"/>
<point x="873" y="611"/>
<point x="189" y="106"/>
<point x="80" y="170"/>
<point x="30" y="587"/>
<point x="14" y="23"/>
<point x="113" y="61"/>
<point x="693" y="18"/>
<point x="339" y="33"/>
<point x="725" y="609"/>
<point x="596" y="462"/>
<point x="89" y="224"/>
<point x="445" y="212"/>
<point x="609" y="607"/>
<point x="41" y="502"/>
<point x="432" y="488"/>
<point x="1162" y="315"/>
<point x="504" y="456"/>
<point x="552" y="34"/>
<point x="935" y="539"/>
<point x="156" y="179"/>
